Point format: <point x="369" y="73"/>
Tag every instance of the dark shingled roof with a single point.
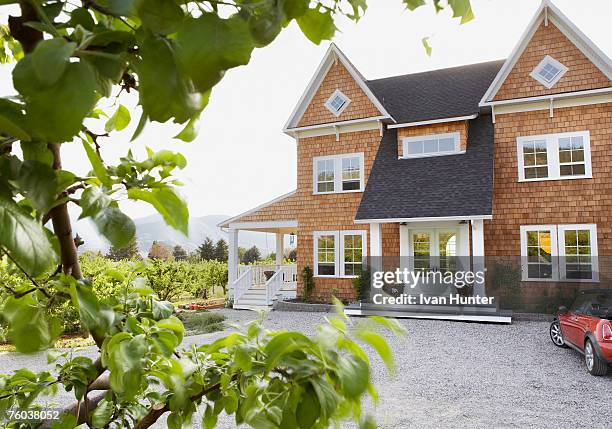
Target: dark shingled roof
<point x="437" y="186"/>
<point x="436" y="94"/>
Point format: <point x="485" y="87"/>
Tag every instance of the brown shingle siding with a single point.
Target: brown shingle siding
<point x="338" y="77"/>
<point x="582" y="74"/>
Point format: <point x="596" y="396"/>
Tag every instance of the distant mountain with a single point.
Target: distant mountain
<point x="153" y="227"/>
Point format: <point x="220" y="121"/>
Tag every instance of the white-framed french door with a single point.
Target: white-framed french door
<point x="433" y="250"/>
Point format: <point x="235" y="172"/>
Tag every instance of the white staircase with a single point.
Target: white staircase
<point x="252" y="292"/>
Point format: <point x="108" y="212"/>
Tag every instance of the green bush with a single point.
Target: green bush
<point x="308" y="282"/>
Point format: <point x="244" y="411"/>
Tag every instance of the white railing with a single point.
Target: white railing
<point x="243" y="283"/>
<point x="283" y="279"/>
<point x="258" y="272"/>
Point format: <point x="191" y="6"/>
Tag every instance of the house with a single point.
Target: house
<point x="503" y="159"/>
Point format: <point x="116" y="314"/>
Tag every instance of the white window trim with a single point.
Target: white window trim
<point x="331" y="109"/>
<point x="338" y="173"/>
<point x="557" y="244"/>
<point x="548" y="59"/>
<point x="552" y="229"/>
<point x="552" y="156"/>
<point x="456" y="136"/>
<point x="338" y="251"/>
<point x="592" y="228"/>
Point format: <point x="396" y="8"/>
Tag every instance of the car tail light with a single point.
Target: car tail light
<point x="607" y="332"/>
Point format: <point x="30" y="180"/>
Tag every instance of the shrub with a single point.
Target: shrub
<point x="361" y="284"/>
<point x="308" y="282"/>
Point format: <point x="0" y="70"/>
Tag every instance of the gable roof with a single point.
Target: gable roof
<point x="437" y="186"/>
<point x="333" y="54"/>
<point x="549" y="12"/>
<point x="436" y="94"/>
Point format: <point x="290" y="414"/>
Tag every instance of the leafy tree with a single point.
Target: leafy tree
<point x="251" y="256"/>
<point x="159" y="251"/>
<point x="207" y="250"/>
<point x="129" y="251"/>
<point x="221" y="250"/>
<point x="179" y="253"/>
<point x="72" y="59"/>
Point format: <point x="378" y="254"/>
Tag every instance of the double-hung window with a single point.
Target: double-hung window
<point x="559" y="252"/>
<point x="339" y="253"/>
<point x="554" y="157"/>
<point x="338" y="173"/>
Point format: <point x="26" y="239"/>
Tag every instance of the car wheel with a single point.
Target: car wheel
<point x="594" y="364"/>
<point x="556" y="335"/>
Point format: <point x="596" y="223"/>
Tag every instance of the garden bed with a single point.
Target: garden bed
<point x="303" y="306"/>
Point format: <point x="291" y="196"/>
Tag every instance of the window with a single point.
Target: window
<point x="548" y="71"/>
<point x="432" y="145"/>
<point x="337" y="102"/>
<point x="578" y="252"/>
<point x="351" y="173"/>
<point x="339" y="253"/>
<point x="353" y="252"/>
<point x="325" y="175"/>
<point x="339" y="173"/>
<point x="559" y="252"/>
<point x="554" y="156"/>
<point x="326" y="255"/>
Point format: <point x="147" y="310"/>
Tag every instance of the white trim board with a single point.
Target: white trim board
<point x="433" y="121"/>
<point x="226" y="223"/>
<point x="550" y="13"/>
<point x="333" y="54"/>
<point x="264" y="224"/>
<point x="425" y="219"/>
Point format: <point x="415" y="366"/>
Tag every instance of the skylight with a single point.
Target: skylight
<point x="337" y="102"/>
<point x="548" y="72"/>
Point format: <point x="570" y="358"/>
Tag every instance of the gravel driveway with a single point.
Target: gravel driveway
<point x="456" y="375"/>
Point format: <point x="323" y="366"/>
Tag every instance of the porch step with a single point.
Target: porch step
<point x="254" y="298"/>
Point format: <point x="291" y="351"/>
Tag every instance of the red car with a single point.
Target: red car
<point x="587" y="327"/>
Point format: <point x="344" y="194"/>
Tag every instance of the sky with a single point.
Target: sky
<point x="241" y="158"/>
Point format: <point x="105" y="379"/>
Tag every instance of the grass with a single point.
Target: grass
<point x="201" y="322"/>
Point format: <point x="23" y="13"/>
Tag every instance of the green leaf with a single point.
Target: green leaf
<point x="264" y="28"/>
<point x="357" y="5"/>
<point x="24" y="238"/>
<point x="12" y="120"/>
<point x="115" y="226"/>
<point x="81" y="16"/>
<point x="463" y="9"/>
<point x="173" y="324"/>
<point x="190" y="132"/>
<point x="160" y="16"/>
<point x="165" y="93"/>
<point x="295" y="8"/>
<point x="29" y="328"/>
<point x="50" y="59"/>
<point x="37" y="151"/>
<point x="317" y="26"/>
<point x="38" y="182"/>
<point x="308" y="408"/>
<point x="209" y="419"/>
<point x="243" y="358"/>
<point x="162" y="309"/>
<point x="102" y="414"/>
<point x="94" y="316"/>
<point x="141" y="124"/>
<point x="118" y="7"/>
<point x="93" y="200"/>
<point x="354" y="375"/>
<point x="55" y="113"/>
<point x="413" y="4"/>
<point x="173" y="208"/>
<point x="96" y="164"/>
<point x="427" y="46"/>
<point x="368" y="422"/>
<point x="120" y="119"/>
<point x="210" y="45"/>
<point x="379" y="344"/>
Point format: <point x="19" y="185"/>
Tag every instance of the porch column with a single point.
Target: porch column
<point x="478" y="263"/>
<point x="375" y="247"/>
<point x="232" y="260"/>
<point x="280" y="248"/>
<point x="404" y="247"/>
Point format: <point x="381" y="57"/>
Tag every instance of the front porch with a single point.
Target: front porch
<point x="256" y="287"/>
